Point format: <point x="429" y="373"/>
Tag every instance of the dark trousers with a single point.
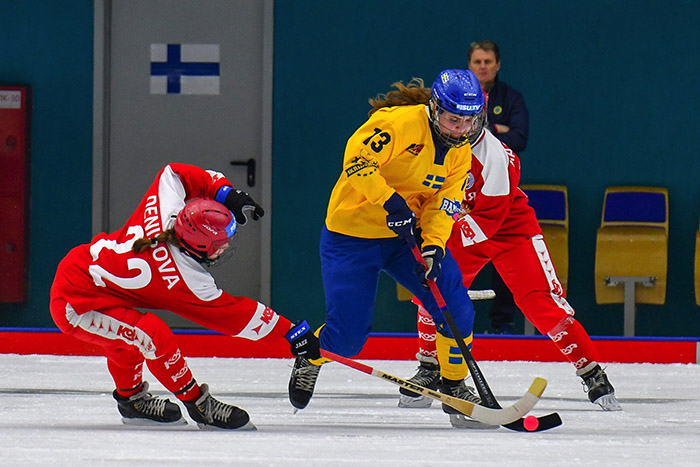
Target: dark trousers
<point x="503" y="308"/>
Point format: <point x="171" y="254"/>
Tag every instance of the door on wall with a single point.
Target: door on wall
<point x="185" y="81"/>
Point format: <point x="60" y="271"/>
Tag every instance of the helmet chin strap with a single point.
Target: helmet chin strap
<point x="198" y="256"/>
<point x="445" y="140"/>
<point x="479" y="125"/>
<point x="202" y="257"/>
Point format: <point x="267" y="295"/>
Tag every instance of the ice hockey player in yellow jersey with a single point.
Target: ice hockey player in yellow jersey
<point x="404" y="175"/>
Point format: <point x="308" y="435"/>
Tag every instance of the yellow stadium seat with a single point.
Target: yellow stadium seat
<point x="402" y="293"/>
<point x="632" y="249"/>
<point x="551" y="205"/>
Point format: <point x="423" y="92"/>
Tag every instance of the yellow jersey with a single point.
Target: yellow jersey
<point x="394" y="152"/>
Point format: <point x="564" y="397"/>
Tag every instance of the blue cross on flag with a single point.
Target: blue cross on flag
<point x="185" y="68"/>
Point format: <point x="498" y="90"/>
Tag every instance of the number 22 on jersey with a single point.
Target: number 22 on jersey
<point x="98" y="273"/>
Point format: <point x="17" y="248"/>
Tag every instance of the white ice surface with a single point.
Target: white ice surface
<point x="59" y="411"/>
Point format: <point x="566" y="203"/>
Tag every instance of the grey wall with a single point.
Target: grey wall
<point x="610" y="86"/>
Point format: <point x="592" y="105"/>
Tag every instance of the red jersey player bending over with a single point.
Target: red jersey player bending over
<point x="184" y="222"/>
<point x="497" y="224"/>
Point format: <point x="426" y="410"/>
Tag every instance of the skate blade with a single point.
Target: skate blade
<point x="463" y="422"/>
<point x="300" y="405"/>
<point x="145" y="422"/>
<point x="420" y="402"/>
<point x="247" y="427"/>
<point x="608" y="403"/>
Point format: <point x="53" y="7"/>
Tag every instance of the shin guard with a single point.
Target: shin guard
<point x="573" y="342"/>
<point x="452" y="364"/>
<point x="322" y="360"/>
<point x="426" y="335"/>
<point x="172" y="371"/>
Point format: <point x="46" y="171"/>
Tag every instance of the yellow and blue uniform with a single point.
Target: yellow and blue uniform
<point x="393" y="151"/>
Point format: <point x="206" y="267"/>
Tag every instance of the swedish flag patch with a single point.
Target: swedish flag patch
<point x="434" y="181"/>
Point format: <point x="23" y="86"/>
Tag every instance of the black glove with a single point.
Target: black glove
<point x="400" y="219"/>
<point x="238" y="202"/>
<point x="432" y="255"/>
<point x="303" y="341"/>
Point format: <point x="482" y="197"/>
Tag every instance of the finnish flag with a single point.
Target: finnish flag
<point x="185" y="68"/>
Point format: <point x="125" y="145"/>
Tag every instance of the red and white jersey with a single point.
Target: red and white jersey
<point x="494" y="206"/>
<point x="106" y="273"/>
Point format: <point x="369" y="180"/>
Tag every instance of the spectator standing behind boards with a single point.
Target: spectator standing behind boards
<point x="506" y="112"/>
<point x="508" y="121"/>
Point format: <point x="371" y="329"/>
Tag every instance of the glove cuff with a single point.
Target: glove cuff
<point x="395" y="203"/>
<point x="299" y="329"/>
<point x="222" y="193"/>
<point x="433" y="250"/>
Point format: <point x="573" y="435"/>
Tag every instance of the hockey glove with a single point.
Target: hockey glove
<point x="239" y="203"/>
<point x="432" y="256"/>
<point x="400" y="219"/>
<point x="303" y="341"/>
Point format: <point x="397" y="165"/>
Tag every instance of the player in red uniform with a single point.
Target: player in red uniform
<point x="157" y="260"/>
<point x="497" y="224"/>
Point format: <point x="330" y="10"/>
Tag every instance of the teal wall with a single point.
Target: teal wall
<point x="47" y="44"/>
<point x="610" y="86"/>
<point x="613" y="96"/>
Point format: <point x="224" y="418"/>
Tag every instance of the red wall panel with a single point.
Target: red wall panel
<point x="14" y="192"/>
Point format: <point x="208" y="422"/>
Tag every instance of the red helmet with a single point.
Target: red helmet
<point x="203" y="226"/>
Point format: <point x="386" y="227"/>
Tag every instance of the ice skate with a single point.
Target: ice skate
<point x="210" y="413"/>
<point x="428" y="376"/>
<point x="460" y="390"/>
<point x="144" y="409"/>
<point x="599" y="389"/>
<point x="302" y="382"/>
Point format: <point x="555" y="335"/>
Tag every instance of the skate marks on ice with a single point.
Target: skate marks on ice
<point x="60" y="409"/>
<point x="334" y="396"/>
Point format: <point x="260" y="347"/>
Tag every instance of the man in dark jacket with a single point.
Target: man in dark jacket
<point x="507" y="114"/>
<point x="508" y="120"/>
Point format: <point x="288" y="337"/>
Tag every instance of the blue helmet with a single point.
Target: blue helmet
<point x="457" y="92"/>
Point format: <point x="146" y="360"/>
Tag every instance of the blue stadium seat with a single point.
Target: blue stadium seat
<point x="549" y="201"/>
<point x="635" y="207"/>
